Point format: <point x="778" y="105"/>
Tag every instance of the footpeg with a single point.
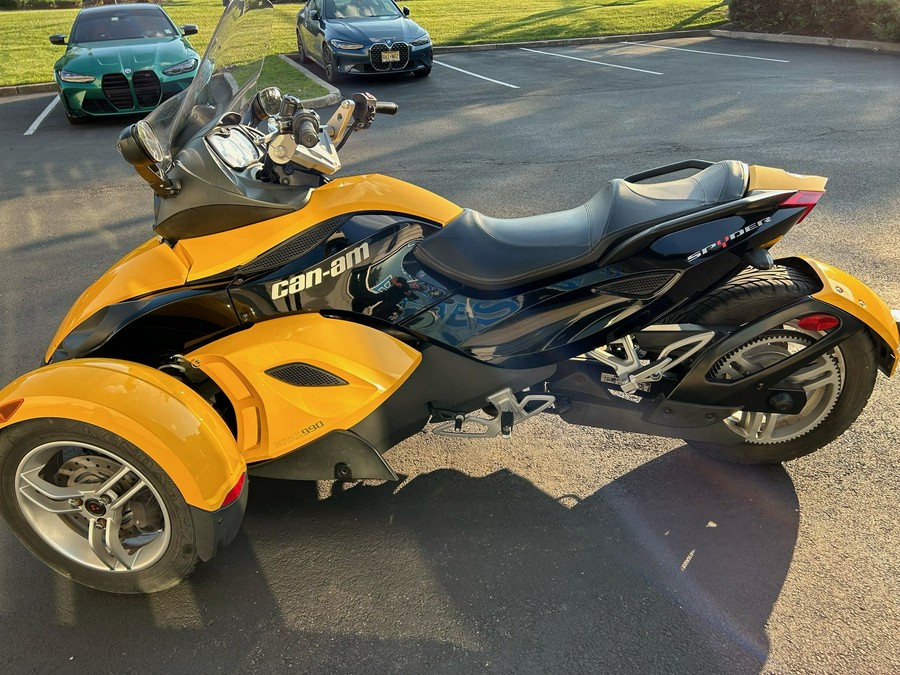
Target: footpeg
<point x="510" y="411"/>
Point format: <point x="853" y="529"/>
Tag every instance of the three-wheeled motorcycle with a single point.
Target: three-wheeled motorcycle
<point x="285" y="323"/>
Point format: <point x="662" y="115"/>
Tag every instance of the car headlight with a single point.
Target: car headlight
<point x="69" y="76"/>
<point x="179" y="68"/>
<point x="421" y="41"/>
<point x="348" y="46"/>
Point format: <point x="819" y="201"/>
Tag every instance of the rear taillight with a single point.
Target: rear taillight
<point x="235" y="492"/>
<point x="818" y="322"/>
<point x="802" y="199"/>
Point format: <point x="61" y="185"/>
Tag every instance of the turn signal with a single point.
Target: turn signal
<point x="7" y="410"/>
<point x="235" y="492"/>
<point x="803" y="198"/>
<point x="819" y="322"/>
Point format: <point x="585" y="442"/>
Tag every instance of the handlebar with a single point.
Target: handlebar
<point x="386" y="108"/>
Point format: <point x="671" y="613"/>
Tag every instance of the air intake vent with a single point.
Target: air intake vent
<point x="305" y="375"/>
<point x="146" y="88"/>
<point x="637" y="285"/>
<point x="117" y="90"/>
<point x="292" y="249"/>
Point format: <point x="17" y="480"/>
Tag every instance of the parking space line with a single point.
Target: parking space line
<point x="700" y="51"/>
<point x="480" y="77"/>
<point x="601" y="63"/>
<point x="41" y="117"/>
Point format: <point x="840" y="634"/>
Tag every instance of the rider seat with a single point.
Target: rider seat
<point x="492" y="254"/>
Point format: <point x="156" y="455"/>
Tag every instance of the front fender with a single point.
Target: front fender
<point x="848" y="293"/>
<point x="157" y="413"/>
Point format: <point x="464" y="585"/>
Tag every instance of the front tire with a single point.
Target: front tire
<point x="838" y="384"/>
<point x="331" y="72"/>
<point x="301" y="52"/>
<point x="94" y="507"/>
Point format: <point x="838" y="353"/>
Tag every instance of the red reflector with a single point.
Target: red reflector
<point x="819" y="322"/>
<point x="803" y="198"/>
<point x="235" y="492"/>
<point x="7" y="410"/>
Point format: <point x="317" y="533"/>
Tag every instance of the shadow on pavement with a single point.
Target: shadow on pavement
<point x="674" y="566"/>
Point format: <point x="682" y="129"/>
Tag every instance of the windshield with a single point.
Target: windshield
<point x="225" y="80"/>
<point x="355" y="9"/>
<point x="126" y="23"/>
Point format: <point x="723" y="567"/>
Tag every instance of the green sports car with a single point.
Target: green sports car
<point x="123" y="60"/>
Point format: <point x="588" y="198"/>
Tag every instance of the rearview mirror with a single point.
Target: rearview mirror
<point x="189" y="29"/>
<point x="58" y="39"/>
<point x="314" y="15"/>
<point x="405" y="10"/>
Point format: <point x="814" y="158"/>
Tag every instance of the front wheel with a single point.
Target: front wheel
<point x="331" y="71"/>
<point x="94" y="507"/>
<point x="301" y="52"/>
<point x="838" y="384"/>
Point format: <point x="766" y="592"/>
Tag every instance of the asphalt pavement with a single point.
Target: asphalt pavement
<point x="562" y="549"/>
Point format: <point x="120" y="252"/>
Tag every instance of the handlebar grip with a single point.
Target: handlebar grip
<point x="307" y="135"/>
<point x="386" y="108"/>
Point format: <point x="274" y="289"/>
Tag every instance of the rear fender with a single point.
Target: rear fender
<point x="155" y="412"/>
<point x="849" y="294"/>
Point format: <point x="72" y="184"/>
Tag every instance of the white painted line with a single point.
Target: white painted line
<point x="700" y="51"/>
<point x="480" y="77"/>
<point x="601" y="63"/>
<point x="41" y="117"/>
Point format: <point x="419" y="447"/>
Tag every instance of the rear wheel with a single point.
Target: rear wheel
<point x="94" y="507"/>
<point x="837" y="384"/>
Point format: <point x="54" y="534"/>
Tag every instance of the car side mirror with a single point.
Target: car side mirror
<point x="58" y="39"/>
<point x="405" y="10"/>
<point x="314" y="15"/>
<point x="189" y="29"/>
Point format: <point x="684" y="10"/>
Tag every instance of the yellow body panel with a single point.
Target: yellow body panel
<point x="275" y="417"/>
<point x="150" y="267"/>
<point x="851" y="295"/>
<point x="165" y="419"/>
<point x="223" y="251"/>
<point x="768" y="178"/>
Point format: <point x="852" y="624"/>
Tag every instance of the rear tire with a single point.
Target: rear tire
<point x="133" y="535"/>
<point x="852" y="367"/>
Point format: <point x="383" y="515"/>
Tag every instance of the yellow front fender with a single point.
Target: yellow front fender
<point x="848" y="293"/>
<point x="157" y="413"/>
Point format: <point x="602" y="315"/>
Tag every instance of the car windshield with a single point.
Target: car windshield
<point x="127" y="24"/>
<point x="359" y="9"/>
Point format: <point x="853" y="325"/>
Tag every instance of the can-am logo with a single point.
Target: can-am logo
<point x="723" y="242"/>
<point x="306" y="280"/>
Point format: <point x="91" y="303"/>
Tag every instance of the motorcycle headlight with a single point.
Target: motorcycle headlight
<point x="179" y="68"/>
<point x="421" y="41"/>
<point x="347" y="46"/>
<point x="69" y="76"/>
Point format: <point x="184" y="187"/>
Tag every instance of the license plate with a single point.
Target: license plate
<point x="390" y="57"/>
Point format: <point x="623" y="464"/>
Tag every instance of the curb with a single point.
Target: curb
<point x="334" y="94"/>
<point x="870" y="45"/>
<point x="22" y="89"/>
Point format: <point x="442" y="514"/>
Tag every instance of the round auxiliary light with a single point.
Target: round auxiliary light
<point x="139" y="145"/>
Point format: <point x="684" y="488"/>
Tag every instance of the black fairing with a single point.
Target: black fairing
<point x="361" y="267"/>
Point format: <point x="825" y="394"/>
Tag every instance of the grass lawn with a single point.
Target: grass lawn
<point x="26" y="56"/>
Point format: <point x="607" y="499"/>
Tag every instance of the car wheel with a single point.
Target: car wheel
<point x="422" y="73"/>
<point x="331" y="72"/>
<point x="301" y="52"/>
